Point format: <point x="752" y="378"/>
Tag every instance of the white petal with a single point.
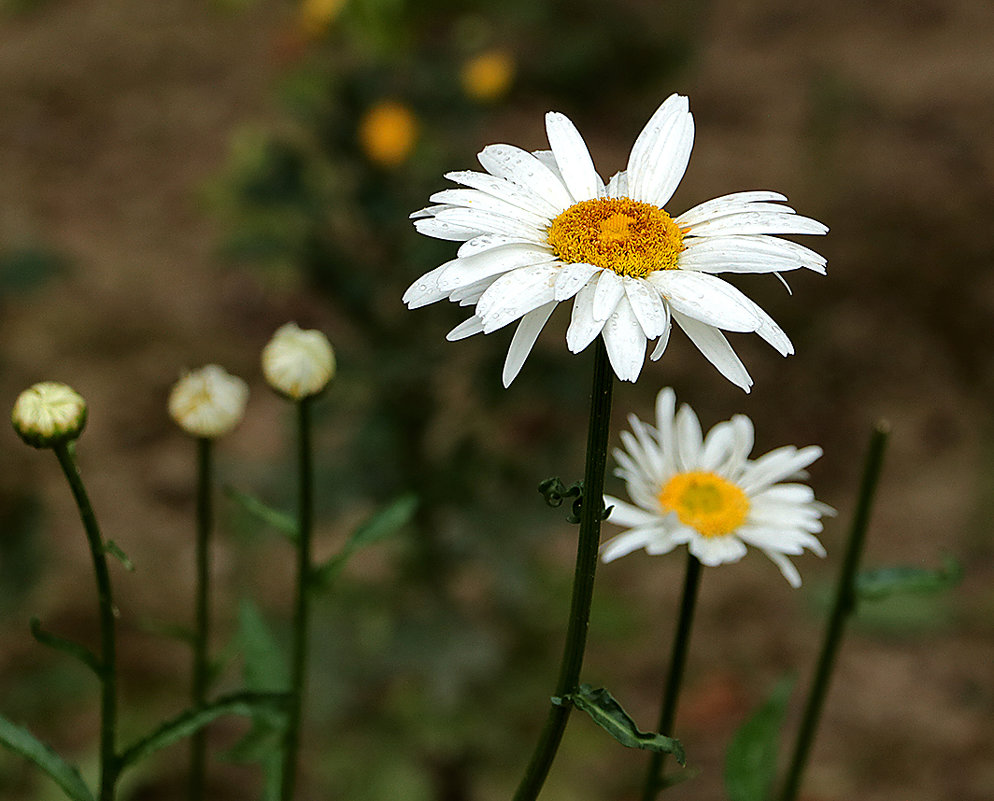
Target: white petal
<point x="625" y="342"/>
<point x="624" y="514"/>
<point x="720" y="440"/>
<point x="572" y="156"/>
<point x="583" y="328"/>
<point x="714" y="551"/>
<point x="484" y="221"/>
<point x="470" y="269"/>
<point x="759" y="222"/>
<point x="689" y="439"/>
<point x="521" y="167"/>
<point x="777" y="465"/>
<point x="608" y="293"/>
<point x="425" y="290"/>
<point x="715" y="347"/>
<point x="648" y="306"/>
<point x="655" y="536"/>
<point x="706" y="298"/>
<point x="572" y="278"/>
<point x="514" y="294"/>
<point x="440" y="229"/>
<point x="747" y="254"/>
<point x="664" y="338"/>
<point x="472" y="199"/>
<point x="786" y="567"/>
<point x="661" y="152"/>
<point x="467" y="328"/>
<point x="665" y="412"/>
<point x="484" y="242"/>
<point x="737" y="201"/>
<point x="618" y="185"/>
<point x="505" y="190"/>
<point x="524" y="339"/>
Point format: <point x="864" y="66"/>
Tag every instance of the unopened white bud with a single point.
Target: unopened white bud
<point x="49" y="414"/>
<point x="298" y="363"/>
<point x="208" y="402"/>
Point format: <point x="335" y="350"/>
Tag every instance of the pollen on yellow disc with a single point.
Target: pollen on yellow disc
<point x="488" y="76"/>
<point x="706" y="502"/>
<point x="627" y="236"/>
<point x="387" y="133"/>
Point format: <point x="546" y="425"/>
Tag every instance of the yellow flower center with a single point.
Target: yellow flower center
<point x="626" y="236"/>
<point x="705" y="501"/>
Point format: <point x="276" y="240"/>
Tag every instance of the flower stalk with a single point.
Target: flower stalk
<point x="201" y="659"/>
<point x="654" y="781"/>
<point x="588" y="543"/>
<point x="109" y="764"/>
<point x="844" y="606"/>
<point x="301" y="614"/>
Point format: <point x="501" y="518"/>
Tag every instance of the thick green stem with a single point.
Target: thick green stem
<point x="301" y="614"/>
<point x="201" y="669"/>
<point x="109" y="767"/>
<point x="678" y="660"/>
<point x="591" y="512"/>
<point x="844" y="606"/>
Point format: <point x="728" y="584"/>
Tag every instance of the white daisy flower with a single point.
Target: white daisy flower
<point x="542" y="228"/>
<point x="705" y="491"/>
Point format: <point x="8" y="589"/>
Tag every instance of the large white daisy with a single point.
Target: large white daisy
<point x="707" y="493"/>
<point x="542" y="228"/>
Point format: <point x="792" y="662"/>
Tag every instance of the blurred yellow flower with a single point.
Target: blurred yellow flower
<point x="488" y="76"/>
<point x="387" y="133"/>
<point x="317" y="15"/>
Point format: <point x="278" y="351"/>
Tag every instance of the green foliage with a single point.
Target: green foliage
<point x="607" y="713"/>
<point x="751" y="760"/>
<point x="884" y="582"/>
<point x="248" y="704"/>
<point x="384" y="523"/>
<point x="27" y="268"/>
<point x="75" y="650"/>
<point x="281" y="522"/>
<point x="66" y="776"/>
<point x="112" y="548"/>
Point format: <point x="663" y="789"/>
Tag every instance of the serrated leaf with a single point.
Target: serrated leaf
<point x="282" y="522"/>
<point x="186" y="723"/>
<point x="67" y="776"/>
<point x="873" y="585"/>
<point x="751" y="760"/>
<point x="114" y="550"/>
<point x="74" y="649"/>
<point x="265" y="666"/>
<point x="381" y="525"/>
<point x="607" y="713"/>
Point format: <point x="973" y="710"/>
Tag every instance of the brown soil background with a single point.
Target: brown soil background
<point x="116" y="112"/>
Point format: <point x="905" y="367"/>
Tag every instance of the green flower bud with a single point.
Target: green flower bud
<point x="49" y="414"/>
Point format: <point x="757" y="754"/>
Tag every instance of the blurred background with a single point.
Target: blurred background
<point x="180" y="178"/>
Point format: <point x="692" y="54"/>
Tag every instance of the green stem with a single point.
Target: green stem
<point x="583" y="579"/>
<point x="654" y="783"/>
<point x="109" y="767"/>
<point x="844" y="606"/>
<point x="198" y="742"/>
<point x="301" y="614"/>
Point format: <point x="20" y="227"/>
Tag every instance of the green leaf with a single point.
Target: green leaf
<point x="186" y="723"/>
<point x="114" y="550"/>
<point x="383" y="524"/>
<point x="284" y="523"/>
<point x="21" y="741"/>
<point x="751" y="761"/>
<point x="608" y="714"/>
<point x="873" y="585"/>
<point x="265" y="667"/>
<point x="74" y="649"/>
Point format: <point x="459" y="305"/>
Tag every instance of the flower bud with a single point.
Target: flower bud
<point x="388" y="133"/>
<point x="298" y="363"/>
<point x="208" y="402"/>
<point x="49" y="414"/>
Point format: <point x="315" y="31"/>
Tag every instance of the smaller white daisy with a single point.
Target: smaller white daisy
<point x="705" y="492"/>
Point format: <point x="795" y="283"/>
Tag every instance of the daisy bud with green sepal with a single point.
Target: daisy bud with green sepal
<point x="49" y="414"/>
